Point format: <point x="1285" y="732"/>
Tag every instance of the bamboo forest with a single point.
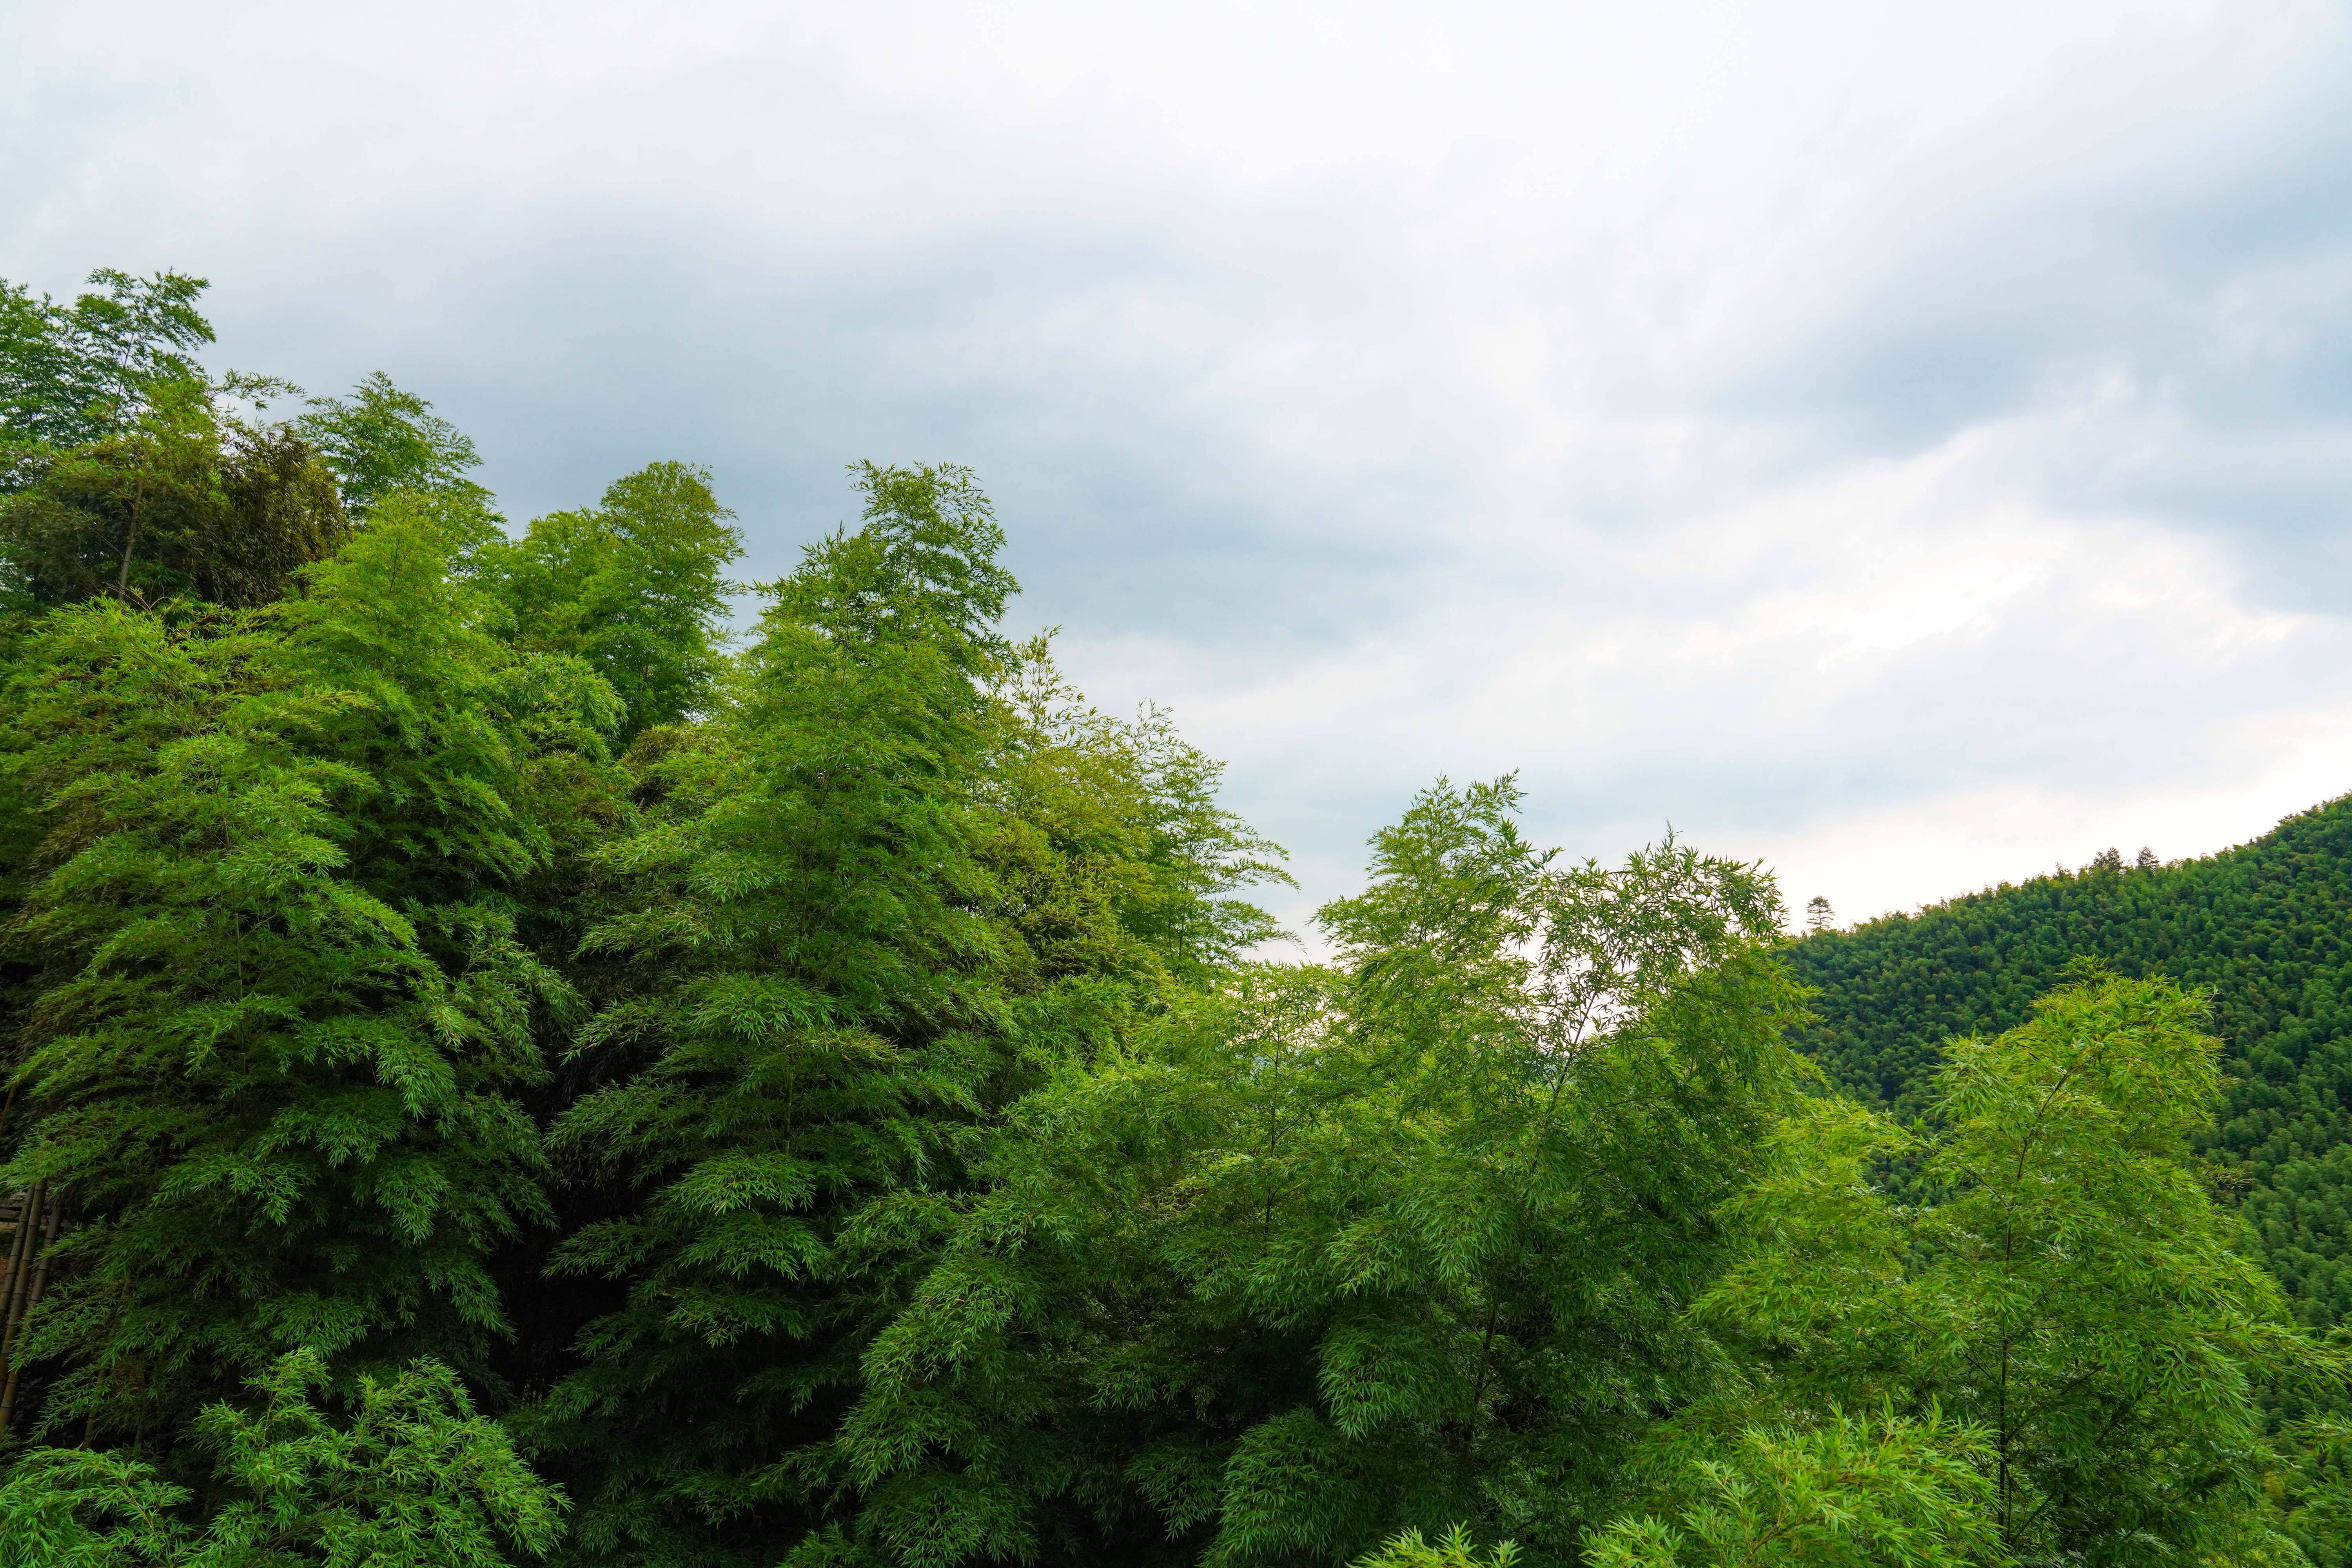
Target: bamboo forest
<point x="514" y="1058"/>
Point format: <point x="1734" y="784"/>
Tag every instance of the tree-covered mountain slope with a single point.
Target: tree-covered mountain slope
<point x="2266" y="928"/>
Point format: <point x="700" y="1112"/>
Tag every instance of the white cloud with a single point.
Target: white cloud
<point x="1906" y="443"/>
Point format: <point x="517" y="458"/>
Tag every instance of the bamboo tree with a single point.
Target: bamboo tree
<point x="636" y="586"/>
<point x="1834" y="1492"/>
<point x="900" y="874"/>
<point x="412" y="1478"/>
<point x="382" y="442"/>
<point x="284" y="1017"/>
<point x="73" y="374"/>
<point x="1335" y="1251"/>
<point x="2102" y="1323"/>
<point x="824" y="1014"/>
<point x="186" y="502"/>
<point x="2074" y="1294"/>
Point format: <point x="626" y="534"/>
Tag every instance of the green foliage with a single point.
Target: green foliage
<point x="72" y="374"/>
<point x="414" y="1479"/>
<point x="634" y="588"/>
<point x="1109" y="847"/>
<point x="80" y="1508"/>
<point x="2075" y="1294"/>
<point x="1886" y="1492"/>
<point x="821" y="1095"/>
<point x="284" y="1018"/>
<point x="2313" y="1482"/>
<point x="135" y="481"/>
<point x="898" y="874"/>
<point x="824" y="1011"/>
<point x="1453" y="1550"/>
<point x="2266" y="928"/>
<point x="380" y="441"/>
<point x="182" y="502"/>
<point x="1333" y="1252"/>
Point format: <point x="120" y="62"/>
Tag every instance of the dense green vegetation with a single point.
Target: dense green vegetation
<point x="503" y="1066"/>
<point x="2266" y="929"/>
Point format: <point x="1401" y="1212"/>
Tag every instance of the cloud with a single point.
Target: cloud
<point x="2145" y="259"/>
<point x="1888" y="440"/>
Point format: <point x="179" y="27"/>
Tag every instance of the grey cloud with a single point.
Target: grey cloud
<point x="576" y="346"/>
<point x="2205" y="267"/>
<point x="1265" y="444"/>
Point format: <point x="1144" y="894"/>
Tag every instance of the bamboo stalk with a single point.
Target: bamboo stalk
<point x="12" y="1309"/>
<point x="18" y="1230"/>
<point x="32" y="1300"/>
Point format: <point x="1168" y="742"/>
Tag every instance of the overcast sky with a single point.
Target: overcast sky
<point x="1909" y="444"/>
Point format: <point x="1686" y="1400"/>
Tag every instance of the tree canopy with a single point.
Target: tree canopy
<point x="519" y="1047"/>
<point x="2265" y="930"/>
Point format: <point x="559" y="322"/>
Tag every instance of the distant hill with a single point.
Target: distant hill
<point x="2266" y="927"/>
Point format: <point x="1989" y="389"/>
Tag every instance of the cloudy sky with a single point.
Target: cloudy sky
<point x="1909" y="444"/>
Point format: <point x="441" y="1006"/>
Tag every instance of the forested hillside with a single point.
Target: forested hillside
<point x="506" y="1063"/>
<point x="2265" y="928"/>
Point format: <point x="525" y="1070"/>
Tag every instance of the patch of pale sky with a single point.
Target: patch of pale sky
<point x="1875" y="860"/>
